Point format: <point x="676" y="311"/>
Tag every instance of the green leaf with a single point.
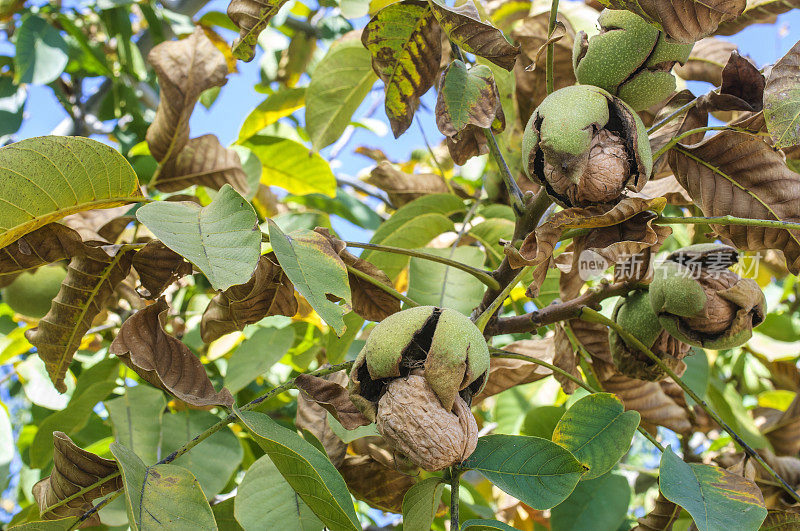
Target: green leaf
<point x="406" y="47"/>
<point x="49" y="177"/>
<point x="279" y="105"/>
<point x="715" y="498"/>
<point x="598" y="431"/>
<point x="348" y="436"/>
<point x="256" y="355"/>
<point x="221" y="239"/>
<point x="600" y="503"/>
<point x="466" y="97"/>
<point x="265" y="500"/>
<point x="62" y="524"/>
<point x="213" y="462"/>
<point x="6" y="437"/>
<point x="782" y="100"/>
<point x="542" y="421"/>
<point x="490" y="233"/>
<point x="727" y="402"/>
<point x="316" y="271"/>
<point x="12" y="103"/>
<point x="413" y="226"/>
<point x="696" y="375"/>
<point x="421" y="502"/>
<point x="485" y="525"/>
<point x="533" y="470"/>
<point x="161" y="496"/>
<point x="345" y="205"/>
<point x="93" y="386"/>
<point x="223" y="514"/>
<point x="307" y="471"/>
<point x="41" y="52"/>
<point x="292" y="166"/>
<point x="136" y="418"/>
<point x="340" y="82"/>
<point x="435" y="284"/>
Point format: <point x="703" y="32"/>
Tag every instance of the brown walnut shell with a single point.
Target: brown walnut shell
<point x="412" y="420"/>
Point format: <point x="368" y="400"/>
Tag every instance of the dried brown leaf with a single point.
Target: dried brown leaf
<point x="159" y="266"/>
<point x="709" y="56"/>
<point x="566" y="359"/>
<point x="661" y="518"/>
<point x="204" y="161"/>
<point x="757" y="12"/>
<point x="471" y="142"/>
<point x="738" y="174"/>
<point x="312" y="417"/>
<point x="164" y="361"/>
<point x="403" y="187"/>
<point x="268" y="292"/>
<point x="90" y="282"/>
<point x="650" y="400"/>
<point x="781" y="521"/>
<point x="100" y="225"/>
<point x="784" y="431"/>
<point x="74" y="469"/>
<point x="378" y="485"/>
<point x="684" y="20"/>
<point x="185" y="69"/>
<point x="529" y="70"/>
<point x="539" y="245"/>
<point x="333" y="398"/>
<point x="781" y="103"/>
<point x="667" y="187"/>
<point x="506" y="373"/>
<point x="465" y="28"/>
<point x="45" y="245"/>
<point x="742" y="88"/>
<point x="251" y="17"/>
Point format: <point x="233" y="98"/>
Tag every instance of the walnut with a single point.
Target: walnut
<point x="412" y="420"/>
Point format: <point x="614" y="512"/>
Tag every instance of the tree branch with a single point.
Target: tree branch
<point x="727" y="220"/>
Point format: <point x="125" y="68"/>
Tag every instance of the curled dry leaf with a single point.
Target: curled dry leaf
<point x="529" y="70"/>
<point x="251" y="17"/>
<point x="539" y="245"/>
<point x="685" y="21"/>
<point x="738" y="174"/>
<point x="668" y="188"/>
<point x="565" y="358"/>
<point x="312" y="417"/>
<point x="45" y="245"/>
<point x="465" y="28"/>
<point x="742" y="88"/>
<point x="100" y="226"/>
<point x="403" y="187"/>
<point x="782" y="100"/>
<point x="91" y="280"/>
<point x="185" y="69"/>
<point x="380" y="486"/>
<point x="757" y="12"/>
<point x="661" y="517"/>
<point x="783" y="431"/>
<point x="369" y="301"/>
<point x="471" y="142"/>
<point x="332" y="397"/>
<point x="648" y="398"/>
<point x="268" y="292"/>
<point x="74" y="469"/>
<point x="406" y="46"/>
<point x="158" y="266"/>
<point x="206" y="162"/>
<point x="164" y="361"/>
<point x="709" y="56"/>
<point x="506" y="373"/>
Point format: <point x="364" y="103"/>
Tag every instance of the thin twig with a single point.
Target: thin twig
<point x="593" y="316"/>
<point x="550" y="57"/>
<point x="455" y="486"/>
<point x="727" y="220"/>
<point x="672" y="116"/>
<point x="676" y="140"/>
<point x="486" y="315"/>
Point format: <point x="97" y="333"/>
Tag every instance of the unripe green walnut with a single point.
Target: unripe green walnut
<point x="415" y="377"/>
<point x="635" y="315"/>
<point x="629" y="58"/>
<point x="703" y="303"/>
<point x="586" y="147"/>
<point x="31" y="294"/>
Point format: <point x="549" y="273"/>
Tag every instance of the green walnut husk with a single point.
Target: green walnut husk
<point x="635" y="314"/>
<point x="586" y="147"/>
<point x="700" y="301"/>
<point x="442" y="343"/>
<point x="628" y="58"/>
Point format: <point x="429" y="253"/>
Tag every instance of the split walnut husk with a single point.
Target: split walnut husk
<point x="586" y="147"/>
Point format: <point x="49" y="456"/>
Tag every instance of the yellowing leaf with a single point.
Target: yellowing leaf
<point x="292" y="166"/>
<point x="272" y="109"/>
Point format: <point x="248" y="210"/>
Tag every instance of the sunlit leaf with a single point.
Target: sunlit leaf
<point x="292" y="166"/>
<point x="782" y="100"/>
<point x="41" y="51"/>
<point x="282" y="103"/>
